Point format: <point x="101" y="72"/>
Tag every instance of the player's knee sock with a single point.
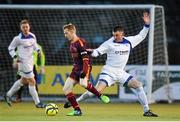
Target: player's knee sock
<point x="34" y="94"/>
<point x="72" y="100"/>
<point x="92" y="89"/>
<point x="142" y="98"/>
<point x="84" y="96"/>
<point x="16" y="86"/>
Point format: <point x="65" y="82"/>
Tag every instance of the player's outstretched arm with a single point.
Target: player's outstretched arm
<point x="135" y="40"/>
<point x="94" y="52"/>
<point x="102" y="49"/>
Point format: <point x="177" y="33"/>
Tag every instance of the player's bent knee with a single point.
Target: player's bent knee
<point x="68" y="86"/>
<point x="101" y="86"/>
<point x="66" y="91"/>
<point x="31" y="81"/>
<point x="24" y="81"/>
<point x="140" y="84"/>
<point x="137" y="84"/>
<point x="134" y="83"/>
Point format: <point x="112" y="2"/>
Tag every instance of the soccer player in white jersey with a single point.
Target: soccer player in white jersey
<point x="25" y="43"/>
<point x="118" y="49"/>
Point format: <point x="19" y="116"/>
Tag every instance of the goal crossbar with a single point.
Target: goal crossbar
<point x="137" y="6"/>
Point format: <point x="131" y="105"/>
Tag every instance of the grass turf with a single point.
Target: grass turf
<point x="91" y="112"/>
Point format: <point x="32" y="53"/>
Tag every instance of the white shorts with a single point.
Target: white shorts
<point x="111" y="75"/>
<point x="26" y="69"/>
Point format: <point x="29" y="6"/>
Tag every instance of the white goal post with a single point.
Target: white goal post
<point x="94" y="23"/>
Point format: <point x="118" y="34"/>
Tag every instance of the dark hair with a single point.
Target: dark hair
<point x="118" y="28"/>
<point x="24" y="21"/>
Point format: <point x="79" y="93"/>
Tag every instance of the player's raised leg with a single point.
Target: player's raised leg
<point x="100" y="87"/>
<point x="84" y="81"/>
<point x="93" y="90"/>
<point x="137" y="86"/>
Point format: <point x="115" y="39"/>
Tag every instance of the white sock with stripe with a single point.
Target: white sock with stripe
<point x="142" y="98"/>
<point x="16" y="86"/>
<point x="34" y="94"/>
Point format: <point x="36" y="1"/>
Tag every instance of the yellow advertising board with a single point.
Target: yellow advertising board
<point x="55" y="77"/>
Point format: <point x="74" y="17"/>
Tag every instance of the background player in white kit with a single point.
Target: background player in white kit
<point x="118" y="49"/>
<point x="25" y="43"/>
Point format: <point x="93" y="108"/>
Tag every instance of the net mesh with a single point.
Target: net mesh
<point x="94" y="25"/>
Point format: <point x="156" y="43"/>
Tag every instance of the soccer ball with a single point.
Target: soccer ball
<point x="51" y="109"/>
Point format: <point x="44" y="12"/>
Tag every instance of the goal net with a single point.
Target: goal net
<point x="94" y="23"/>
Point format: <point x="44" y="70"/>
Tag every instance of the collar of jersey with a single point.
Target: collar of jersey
<point x="26" y="37"/>
<point x="125" y="41"/>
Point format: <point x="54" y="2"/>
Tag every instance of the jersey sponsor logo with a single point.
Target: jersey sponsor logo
<point x="122" y="52"/>
<point x="116" y="44"/>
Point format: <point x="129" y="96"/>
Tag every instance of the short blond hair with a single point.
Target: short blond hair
<point x="69" y="26"/>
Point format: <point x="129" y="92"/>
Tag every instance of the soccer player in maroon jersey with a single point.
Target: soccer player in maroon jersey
<point x="81" y="69"/>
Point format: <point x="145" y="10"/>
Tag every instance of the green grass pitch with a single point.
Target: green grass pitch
<point x="91" y="112"/>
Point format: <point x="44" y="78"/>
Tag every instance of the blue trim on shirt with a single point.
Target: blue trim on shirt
<point x="26" y="37"/>
<point x="125" y="41"/>
<point x="147" y="25"/>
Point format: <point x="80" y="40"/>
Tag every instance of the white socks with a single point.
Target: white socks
<point x="16" y="86"/>
<point x="84" y="96"/>
<point x="34" y="94"/>
<point x="142" y="98"/>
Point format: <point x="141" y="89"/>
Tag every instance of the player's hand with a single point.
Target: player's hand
<point x="39" y="54"/>
<point x="146" y="18"/>
<point x="89" y="50"/>
<point x="15" y="63"/>
<point x="42" y="70"/>
<point x="83" y="82"/>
